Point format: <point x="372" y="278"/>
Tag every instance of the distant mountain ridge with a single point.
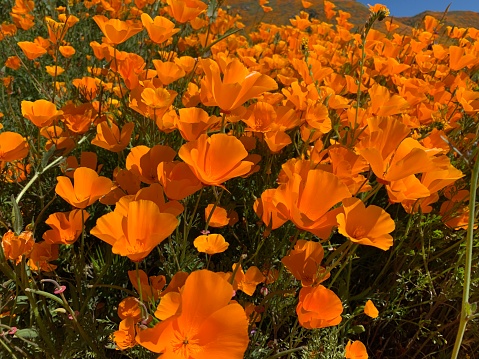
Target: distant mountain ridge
<point x="283" y="10"/>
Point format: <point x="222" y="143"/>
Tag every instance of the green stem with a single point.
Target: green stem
<point x="38" y="173"/>
<point x="466" y="313"/>
<point x="45" y="294"/>
<point x="7" y="348"/>
<point x="286" y="352"/>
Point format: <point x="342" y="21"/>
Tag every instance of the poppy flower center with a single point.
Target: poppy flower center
<point x="185" y="346"/>
<point x="359" y="232"/>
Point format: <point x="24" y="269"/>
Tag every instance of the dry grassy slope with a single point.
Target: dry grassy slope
<point x="453" y="18"/>
<point x="283" y="10"/>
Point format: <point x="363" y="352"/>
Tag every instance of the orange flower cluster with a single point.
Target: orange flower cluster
<point x="329" y="118"/>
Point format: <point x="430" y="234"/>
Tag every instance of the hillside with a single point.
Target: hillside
<point x="283" y="10"/>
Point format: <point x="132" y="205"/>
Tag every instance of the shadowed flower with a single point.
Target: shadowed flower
<point x="178" y="180"/>
<point x="66" y="227"/>
<point x="369" y="226"/>
<point x="88" y="187"/>
<point x="318" y="307"/>
<point x="41" y="254"/>
<point x="219" y="217"/>
<point x="15" y="247"/>
<point x="246" y="281"/>
<point x="124" y="337"/>
<point x="13" y="62"/>
<point x="151" y="286"/>
<point x="143" y="161"/>
<point x="304" y="263"/>
<point x="130" y="308"/>
<point x="109" y="137"/>
<point x="208" y="325"/>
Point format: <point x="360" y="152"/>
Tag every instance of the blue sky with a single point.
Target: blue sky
<point x="412" y="7"/>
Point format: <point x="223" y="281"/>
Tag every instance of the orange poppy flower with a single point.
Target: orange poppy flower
<point x="356" y="350"/>
<point x="219" y="218"/>
<point x="31" y="49"/>
<point x="191" y="97"/>
<point x="87" y="86"/>
<point x="13" y="62"/>
<point x="124" y="337"/>
<point x="54" y="70"/>
<point x="237" y="86"/>
<point x="177" y="282"/>
<point x="88" y="187"/>
<point x="328" y="9"/>
<point x="66" y="227"/>
<point x="78" y="119"/>
<point x="109" y="137"/>
<point x="185" y="10"/>
<point x="370" y="309"/>
<point x="391" y="155"/>
<point x="155" y="194"/>
<point x="298" y="199"/>
<point x="304" y="263"/>
<point x="211" y="243"/>
<point x="156" y="98"/>
<point x="159" y="29"/>
<point x="267" y="209"/>
<point x="41" y="254"/>
<point x="216" y="159"/>
<point x="369" y="226"/>
<point x="41" y="112"/>
<point x="143" y="161"/>
<point x="318" y="307"/>
<point x="16" y="172"/>
<point x="67" y="51"/>
<point x="130" y="308"/>
<point x="154" y="102"/>
<point x="125" y="183"/>
<point x="246" y="281"/>
<point x="151" y="286"/>
<point x="15" y="247"/>
<point x="57" y="136"/>
<point x="13" y="146"/>
<point x="134" y="228"/>
<point x="208" y="325"/>
<point x="383" y="104"/>
<point x="117" y="31"/>
<point x="192" y="122"/>
<point x="168" y="306"/>
<point x="168" y="72"/>
<point x="178" y="180"/>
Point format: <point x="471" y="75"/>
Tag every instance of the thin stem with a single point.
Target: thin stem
<point x="286" y="352"/>
<point x="466" y="311"/>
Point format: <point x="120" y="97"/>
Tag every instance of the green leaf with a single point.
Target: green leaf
<point x="357" y="329"/>
<point x="17" y="219"/>
<point x="47" y="155"/>
<point x="26" y="333"/>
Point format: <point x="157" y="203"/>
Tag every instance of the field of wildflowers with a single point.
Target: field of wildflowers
<point x="172" y="186"/>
